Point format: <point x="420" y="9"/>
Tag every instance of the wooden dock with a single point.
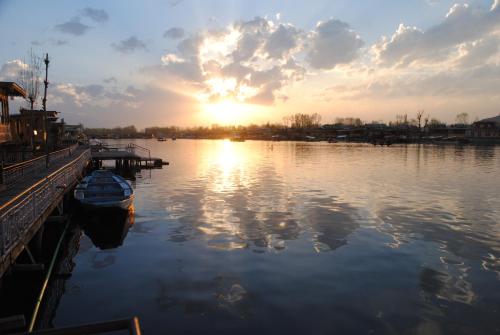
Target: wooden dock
<point x="128" y="156"/>
<point x="30" y="191"/>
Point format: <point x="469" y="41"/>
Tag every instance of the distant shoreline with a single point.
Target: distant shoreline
<point x="461" y="141"/>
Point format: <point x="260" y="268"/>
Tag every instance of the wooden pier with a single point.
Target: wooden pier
<point x="33" y="190"/>
<point x="30" y="192"/>
<point x="130" y="156"/>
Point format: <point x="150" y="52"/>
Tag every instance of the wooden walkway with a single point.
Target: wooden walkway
<point x="30" y="192"/>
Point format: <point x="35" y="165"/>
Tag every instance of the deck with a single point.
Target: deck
<point x="29" y="193"/>
<point x="130" y="155"/>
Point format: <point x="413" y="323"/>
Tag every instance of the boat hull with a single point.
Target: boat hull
<point x="92" y="204"/>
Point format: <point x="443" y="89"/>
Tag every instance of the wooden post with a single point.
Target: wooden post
<point x="1" y="168"/>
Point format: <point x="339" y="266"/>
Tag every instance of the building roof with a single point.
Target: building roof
<point x="495" y="119"/>
<point x="24" y="111"/>
<point x="26" y="115"/>
<point x="11" y="89"/>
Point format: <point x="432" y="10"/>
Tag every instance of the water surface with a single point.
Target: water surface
<point x="289" y="237"/>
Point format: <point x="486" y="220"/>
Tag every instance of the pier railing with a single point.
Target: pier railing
<point x="12" y="173"/>
<point x="130" y="147"/>
<point x="17" y="215"/>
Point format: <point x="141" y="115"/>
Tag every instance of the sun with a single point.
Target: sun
<point x="228" y="112"/>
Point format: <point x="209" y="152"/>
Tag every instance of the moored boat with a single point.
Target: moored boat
<point x="104" y="189"/>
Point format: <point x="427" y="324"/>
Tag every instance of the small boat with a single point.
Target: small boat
<point x="161" y="139"/>
<point x="104" y="189"/>
<point x="237" y="138"/>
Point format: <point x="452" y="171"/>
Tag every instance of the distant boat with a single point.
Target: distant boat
<point x="104" y="189"/>
<point x="237" y="138"/>
<point x="161" y="139"/>
<point x="174" y="138"/>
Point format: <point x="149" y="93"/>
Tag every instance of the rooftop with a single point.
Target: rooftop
<point x="495" y="119"/>
<point x="11" y="89"/>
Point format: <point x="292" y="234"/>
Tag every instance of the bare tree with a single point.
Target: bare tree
<point x="462" y="118"/>
<point x="420" y="114"/>
<point x="30" y="80"/>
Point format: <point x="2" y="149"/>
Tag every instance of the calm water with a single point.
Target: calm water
<point x="278" y="237"/>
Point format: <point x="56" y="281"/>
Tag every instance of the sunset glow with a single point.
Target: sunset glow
<point x="191" y="63"/>
<point x="228" y="112"/>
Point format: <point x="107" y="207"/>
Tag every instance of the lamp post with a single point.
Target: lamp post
<point x="44" y="104"/>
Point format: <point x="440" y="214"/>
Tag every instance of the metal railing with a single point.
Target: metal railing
<point x="13" y="173"/>
<point x="131" y="147"/>
<point x="18" y="214"/>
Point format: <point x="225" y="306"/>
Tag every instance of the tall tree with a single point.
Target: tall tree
<point x="30" y="79"/>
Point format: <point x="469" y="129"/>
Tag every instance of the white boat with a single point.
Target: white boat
<point x="104" y="189"/>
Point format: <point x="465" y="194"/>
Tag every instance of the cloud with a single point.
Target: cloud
<point x="462" y="24"/>
<point x="281" y="41"/>
<point x="11" y="69"/>
<point x="129" y="45"/>
<point x="333" y="42"/>
<point x="174" y="33"/>
<point x="59" y="42"/>
<point x="96" y="106"/>
<point x="110" y="80"/>
<point x="246" y="61"/>
<point x="54" y="42"/>
<point x="73" y="27"/>
<point x="96" y="15"/>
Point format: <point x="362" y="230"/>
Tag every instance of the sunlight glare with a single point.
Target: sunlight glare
<point x="228" y="112"/>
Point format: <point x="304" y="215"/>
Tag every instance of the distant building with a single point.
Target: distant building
<point x="7" y="89"/>
<point x="487" y="128"/>
<point x="28" y="121"/>
<point x="74" y="133"/>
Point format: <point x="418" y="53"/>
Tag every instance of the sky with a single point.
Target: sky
<point x="192" y="63"/>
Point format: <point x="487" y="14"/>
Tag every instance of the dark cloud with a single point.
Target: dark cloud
<point x="109" y="80"/>
<point x="281" y="41"/>
<point x="174" y="33"/>
<point x="129" y="45"/>
<point x="93" y="90"/>
<point x="73" y="27"/>
<point x="96" y="15"/>
<point x="333" y="42"/>
<point x="51" y="41"/>
<point x="59" y="42"/>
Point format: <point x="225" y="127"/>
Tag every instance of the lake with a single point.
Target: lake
<point x="313" y="238"/>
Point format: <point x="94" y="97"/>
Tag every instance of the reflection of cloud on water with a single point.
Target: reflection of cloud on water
<point x="261" y="213"/>
<point x="441" y="285"/>
<point x="332" y="222"/>
<point x="102" y="260"/>
<point x="222" y="293"/>
<point x="468" y="238"/>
